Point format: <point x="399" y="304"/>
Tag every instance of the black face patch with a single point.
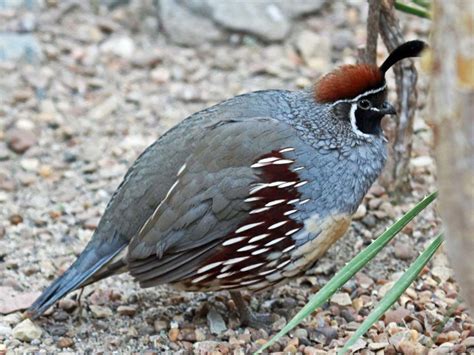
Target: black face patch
<point x="369" y="112"/>
<point x="368" y="121"/>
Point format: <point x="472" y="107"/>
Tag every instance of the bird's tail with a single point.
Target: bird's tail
<point x="90" y="266"/>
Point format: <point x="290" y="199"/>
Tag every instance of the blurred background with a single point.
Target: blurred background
<point x="85" y="86"/>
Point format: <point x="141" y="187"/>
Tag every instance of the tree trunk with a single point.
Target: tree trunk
<point x="452" y="109"/>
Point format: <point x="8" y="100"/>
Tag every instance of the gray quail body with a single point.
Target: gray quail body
<point x="245" y="194"/>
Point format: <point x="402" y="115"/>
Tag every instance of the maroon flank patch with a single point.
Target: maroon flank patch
<point x="348" y="82"/>
<point x="254" y="255"/>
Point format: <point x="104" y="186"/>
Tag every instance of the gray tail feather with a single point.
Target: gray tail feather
<point x="113" y="268"/>
<point x="78" y="275"/>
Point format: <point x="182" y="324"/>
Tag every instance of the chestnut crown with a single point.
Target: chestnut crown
<point x="350" y="81"/>
<point x="358" y="92"/>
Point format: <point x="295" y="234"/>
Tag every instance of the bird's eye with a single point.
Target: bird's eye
<point x="364" y="104"/>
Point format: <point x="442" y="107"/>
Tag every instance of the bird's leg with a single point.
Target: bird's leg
<point x="79" y="304"/>
<point x="247" y="316"/>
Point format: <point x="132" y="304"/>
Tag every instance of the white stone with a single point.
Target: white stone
<point x="121" y="46"/>
<point x="341" y="299"/>
<point x="27" y="331"/>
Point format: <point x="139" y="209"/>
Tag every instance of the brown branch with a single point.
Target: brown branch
<point x="373" y="18"/>
<point x="395" y="175"/>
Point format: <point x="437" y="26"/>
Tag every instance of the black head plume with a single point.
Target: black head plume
<point x="406" y="50"/>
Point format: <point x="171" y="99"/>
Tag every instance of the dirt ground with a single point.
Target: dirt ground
<point x="72" y="123"/>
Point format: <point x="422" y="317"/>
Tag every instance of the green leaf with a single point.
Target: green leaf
<point x="351" y="268"/>
<point x="412" y="10"/>
<point x="395" y="292"/>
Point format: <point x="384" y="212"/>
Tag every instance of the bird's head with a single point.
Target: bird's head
<point x="357" y="93"/>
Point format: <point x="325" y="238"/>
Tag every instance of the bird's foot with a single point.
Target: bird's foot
<point x="248" y="317"/>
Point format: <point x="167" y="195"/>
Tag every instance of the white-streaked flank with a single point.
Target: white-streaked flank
<point x="247" y="227"/>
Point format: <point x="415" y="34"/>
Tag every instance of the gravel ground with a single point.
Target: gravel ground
<point x="106" y="88"/>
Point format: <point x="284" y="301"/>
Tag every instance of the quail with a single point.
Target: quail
<point x="245" y="194"/>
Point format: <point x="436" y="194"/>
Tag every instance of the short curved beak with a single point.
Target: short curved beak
<point x="388" y="109"/>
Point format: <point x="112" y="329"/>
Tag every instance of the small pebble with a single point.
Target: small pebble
<point x="358" y="303"/>
<point x="100" y="311"/>
<point x="453" y="335"/>
<point x="58" y="330"/>
<point x="404" y="251"/>
<point x="468" y="342"/>
<point x="216" y="322"/>
<point x="309" y="350"/>
<point x="132" y="332"/>
<point x="65" y="342"/>
<point x="377" y="190"/>
<point x="364" y="281"/>
<point x="301" y="333"/>
<point x="415" y="324"/>
<point x="5" y="330"/>
<point x="188" y="334"/>
<point x="67" y="304"/>
<point x="442" y="273"/>
<point x="290" y="349"/>
<point x="397" y="316"/>
<point x="411" y="347"/>
<point x="348" y="315"/>
<point x="388" y="208"/>
<point x="375" y="203"/>
<point x="279" y="324"/>
<point x="160" y="325"/>
<point x="341" y="299"/>
<point x="361" y="212"/>
<point x="16" y="219"/>
<point x="370" y="221"/>
<point x="12" y="318"/>
<point x="199" y="334"/>
<point x="173" y="334"/>
<point x="20" y="140"/>
<point x="127" y="310"/>
<point x="442" y="338"/>
<point x="377" y="346"/>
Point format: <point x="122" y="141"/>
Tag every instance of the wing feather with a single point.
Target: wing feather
<point x="207" y="201"/>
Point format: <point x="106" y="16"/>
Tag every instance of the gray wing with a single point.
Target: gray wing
<point x="206" y="201"/>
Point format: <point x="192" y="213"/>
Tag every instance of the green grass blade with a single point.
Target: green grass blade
<point x="423" y="3"/>
<point x="351" y="268"/>
<point x="395" y="292"/>
<point x="412" y="10"/>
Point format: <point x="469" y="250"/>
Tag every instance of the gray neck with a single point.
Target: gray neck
<point x="345" y="164"/>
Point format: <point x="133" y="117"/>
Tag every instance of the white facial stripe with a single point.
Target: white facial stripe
<point x="370" y="92"/>
<point x="354" y="123"/>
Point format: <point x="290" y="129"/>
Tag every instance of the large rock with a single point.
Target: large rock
<point x="193" y="22"/>
<point x="185" y="26"/>
<point x="294" y="9"/>
<point x="264" y="19"/>
<point x="21" y="4"/>
<point x="20" y="46"/>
